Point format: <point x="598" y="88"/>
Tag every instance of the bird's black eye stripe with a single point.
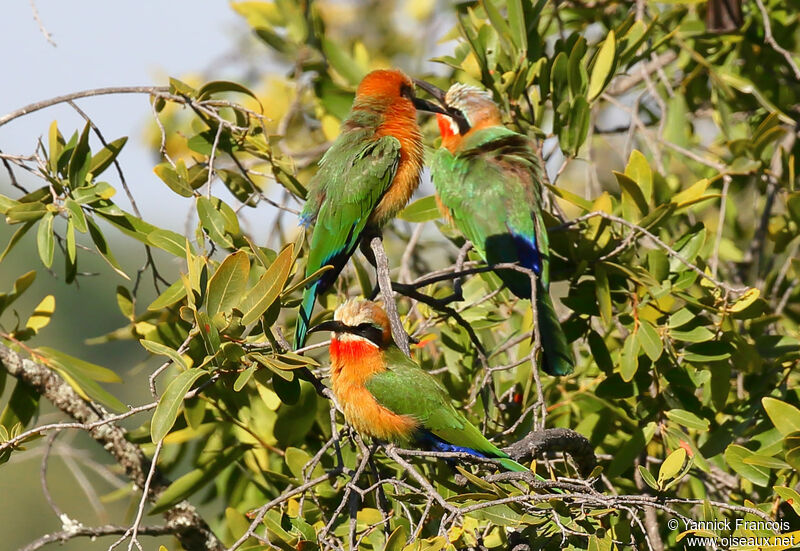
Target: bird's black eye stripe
<point x="407" y="91"/>
<point x="369" y="332"/>
<point x="461" y="121"/>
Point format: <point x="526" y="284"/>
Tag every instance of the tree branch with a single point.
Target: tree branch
<point x="183" y="519"/>
<point x="385" y="283"/>
<point x="94" y="532"/>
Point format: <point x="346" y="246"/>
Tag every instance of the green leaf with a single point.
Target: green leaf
<point x="603" y="292"/>
<point x="244" y="377"/>
<point x="600" y="353"/>
<point x="629" y="359"/>
<point x="238" y="185"/>
<point x="650" y="340"/>
<point x="21" y="407"/>
<point x="102" y="247"/>
<point x="631" y="192"/>
<point x="791" y="449"/>
<point x="208" y="332"/>
<point x="213" y="222"/>
<point x="6" y="203"/>
<point x="125" y="302"/>
<point x="576" y="200"/>
<point x="76" y="215"/>
<point x="25" y="212"/>
<point x="648" y="477"/>
<point x="93" y="371"/>
<point x="268" y="287"/>
<point x="603" y="66"/>
<point x="744" y="301"/>
<point x="681" y="317"/>
<point x="223" y="86"/>
<point x="194" y="480"/>
<point x="766" y="462"/>
<point x="45" y="242"/>
<point x="696" y="334"/>
<point x="169" y="296"/>
<point x="638" y="170"/>
<point x="164" y="350"/>
<point x="688" y="419"/>
<point x="82" y="376"/>
<point x="81" y="160"/>
<point x="72" y="246"/>
<point x="167" y="409"/>
<point x="516" y="22"/>
<point x="172" y="178"/>
<point x="56" y="146"/>
<point x="499" y="24"/>
<point x="228" y="283"/>
<point x="421" y="210"/>
<point x="790" y="496"/>
<point x="785" y="417"/>
<point x="624" y="455"/>
<point x="167" y="240"/>
<point x="18" y="234"/>
<point x="20" y="286"/>
<point x="103" y="158"/>
<point x="735" y="456"/>
<point x="42" y="314"/>
<point x="671" y="466"/>
<point x="180" y="88"/>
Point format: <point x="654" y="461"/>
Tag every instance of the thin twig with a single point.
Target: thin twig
<point x="382" y="268"/>
<point x="42" y="29"/>
<point x="769" y="39"/>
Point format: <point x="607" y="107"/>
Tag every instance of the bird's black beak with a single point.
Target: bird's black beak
<point x="330" y="325"/>
<point x="439" y="95"/>
<point x="435" y="91"/>
<point x="427" y="106"/>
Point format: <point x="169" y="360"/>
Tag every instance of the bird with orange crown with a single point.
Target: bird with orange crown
<point x="364" y="179"/>
<point x="386" y="395"/>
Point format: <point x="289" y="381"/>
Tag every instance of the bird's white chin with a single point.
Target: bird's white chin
<point x="453" y="126"/>
<point x="349" y="337"/>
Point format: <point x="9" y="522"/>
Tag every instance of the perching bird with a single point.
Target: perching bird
<point x="488" y="184"/>
<point x="364" y="179"/>
<point x="386" y="395"/>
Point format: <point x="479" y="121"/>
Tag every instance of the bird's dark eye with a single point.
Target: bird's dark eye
<point x="407" y="91"/>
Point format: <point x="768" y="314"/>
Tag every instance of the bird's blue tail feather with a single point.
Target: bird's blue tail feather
<point x="304" y="315"/>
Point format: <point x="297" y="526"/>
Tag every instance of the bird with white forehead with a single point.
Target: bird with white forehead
<point x="387" y="395"/>
<point x="489" y="182"/>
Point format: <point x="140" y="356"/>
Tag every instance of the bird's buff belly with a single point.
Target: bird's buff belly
<point x="368" y="417"/>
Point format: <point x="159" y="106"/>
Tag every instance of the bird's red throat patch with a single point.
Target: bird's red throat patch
<point x="358" y="355"/>
<point x="445" y="125"/>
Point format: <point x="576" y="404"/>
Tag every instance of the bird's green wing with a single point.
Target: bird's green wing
<point x="353" y="176"/>
<point x="491" y="189"/>
<point x="406" y="389"/>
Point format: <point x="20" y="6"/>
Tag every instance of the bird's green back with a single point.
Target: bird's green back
<point x="353" y="176"/>
<point x="490" y="187"/>
<point x="406" y="389"/>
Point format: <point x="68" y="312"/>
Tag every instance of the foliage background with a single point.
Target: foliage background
<point x="643" y="116"/>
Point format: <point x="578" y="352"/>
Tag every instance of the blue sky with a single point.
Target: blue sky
<point x="101" y="43"/>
